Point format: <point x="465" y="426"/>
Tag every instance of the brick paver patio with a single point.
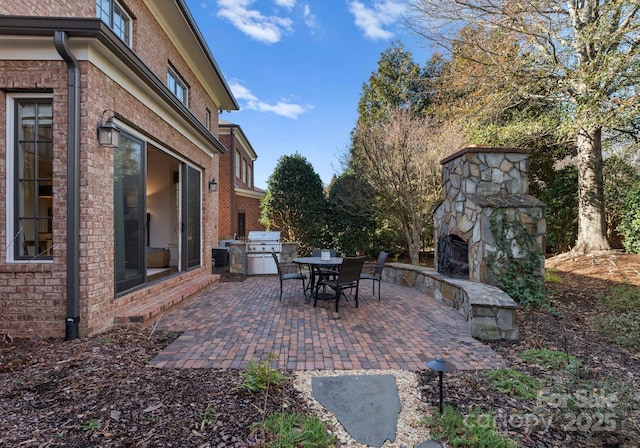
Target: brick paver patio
<point x="232" y="323"/>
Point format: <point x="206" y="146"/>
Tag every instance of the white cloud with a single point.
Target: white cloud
<point x="309" y="17"/>
<point x="268" y="29"/>
<point x="252" y="102"/>
<point x="286" y="3"/>
<point x="372" y="20"/>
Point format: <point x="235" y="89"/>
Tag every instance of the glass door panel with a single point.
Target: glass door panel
<point x="191" y="217"/>
<point x="129" y="213"/>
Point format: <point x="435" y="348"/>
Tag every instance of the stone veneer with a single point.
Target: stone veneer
<point x="238" y="256"/>
<point x="481" y="183"/>
<point x="490" y="312"/>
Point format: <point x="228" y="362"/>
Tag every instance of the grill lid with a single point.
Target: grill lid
<point x="258" y="236"/>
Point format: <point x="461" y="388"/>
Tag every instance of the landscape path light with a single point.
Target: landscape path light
<point x="440" y="366"/>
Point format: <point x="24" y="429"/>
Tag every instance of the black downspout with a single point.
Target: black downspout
<point x="73" y="186"/>
<point x="234" y="217"/>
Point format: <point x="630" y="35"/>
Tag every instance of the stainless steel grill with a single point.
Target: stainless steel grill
<point x="260" y="244"/>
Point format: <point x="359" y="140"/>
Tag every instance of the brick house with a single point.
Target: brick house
<point x="239" y="198"/>
<point x="108" y="145"/>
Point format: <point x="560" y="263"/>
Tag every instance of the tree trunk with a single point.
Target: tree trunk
<point x="413" y="243"/>
<point x="592" y="227"/>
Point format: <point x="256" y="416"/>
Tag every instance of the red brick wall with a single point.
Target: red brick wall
<point x="225" y="190"/>
<point x="149" y="41"/>
<point x="231" y="203"/>
<point x="33" y="295"/>
<point x="251" y="207"/>
<point x="57" y="8"/>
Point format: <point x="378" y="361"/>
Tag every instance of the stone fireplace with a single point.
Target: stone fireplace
<point x="483" y="185"/>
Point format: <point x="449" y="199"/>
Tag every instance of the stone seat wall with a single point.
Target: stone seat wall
<point x="491" y="313"/>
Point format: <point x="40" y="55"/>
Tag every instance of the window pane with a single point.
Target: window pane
<point x="102" y="10"/>
<point x="27" y="161"/>
<point x="129" y="213"/>
<point x="119" y="23"/>
<point x="45" y="160"/>
<point x="26" y="203"/>
<point x="26" y="130"/>
<point x="180" y="92"/>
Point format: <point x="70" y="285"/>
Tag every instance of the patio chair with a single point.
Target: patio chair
<point x="325" y="273"/>
<point x="376" y="275"/>
<point x="347" y="278"/>
<point x="290" y="271"/>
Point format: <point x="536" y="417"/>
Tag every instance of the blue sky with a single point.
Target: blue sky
<point x="296" y="67"/>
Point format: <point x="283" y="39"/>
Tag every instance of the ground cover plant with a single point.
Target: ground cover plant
<point x="588" y="382"/>
<point x="99" y="391"/>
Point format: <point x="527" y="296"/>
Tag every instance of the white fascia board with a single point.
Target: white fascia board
<point x="244" y="192"/>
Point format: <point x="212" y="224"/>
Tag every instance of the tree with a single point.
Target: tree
<point x="396" y="83"/>
<point x="395" y="100"/>
<point x="295" y="202"/>
<point x="584" y="55"/>
<point x="400" y="158"/>
<point x="350" y="215"/>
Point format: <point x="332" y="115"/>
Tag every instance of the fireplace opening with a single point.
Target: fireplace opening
<point x="453" y="257"/>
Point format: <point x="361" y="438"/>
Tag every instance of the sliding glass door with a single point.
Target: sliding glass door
<point x="149" y="197"/>
<point x="191" y="218"/>
<point x="129" y="212"/>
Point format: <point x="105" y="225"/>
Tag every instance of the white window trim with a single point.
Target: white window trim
<point x="10" y="175"/>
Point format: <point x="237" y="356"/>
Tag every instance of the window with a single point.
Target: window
<point x="238" y="164"/>
<point x="244" y="171"/>
<point x="114" y="15"/>
<point x="177" y="86"/>
<point x="207" y="118"/>
<point x="33" y="179"/>
<point x="249" y="175"/>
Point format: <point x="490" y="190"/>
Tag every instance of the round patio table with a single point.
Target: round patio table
<point x="315" y="265"/>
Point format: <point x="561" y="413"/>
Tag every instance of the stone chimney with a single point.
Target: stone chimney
<point x="483" y="184"/>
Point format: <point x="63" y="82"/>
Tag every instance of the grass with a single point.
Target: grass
<point x="478" y="430"/>
<point x="513" y="383"/>
<point x="208" y="417"/>
<point x="552" y="276"/>
<point x="548" y="359"/>
<point x="91" y="425"/>
<point x="296" y="431"/>
<point x="621" y="321"/>
<point x="259" y="375"/>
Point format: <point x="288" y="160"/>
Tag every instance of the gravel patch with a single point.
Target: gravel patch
<point x="409" y="430"/>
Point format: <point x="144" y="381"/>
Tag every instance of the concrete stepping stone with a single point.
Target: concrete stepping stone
<point x="366" y="405"/>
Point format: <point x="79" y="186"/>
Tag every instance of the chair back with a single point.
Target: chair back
<point x="382" y="259"/>
<point x="275" y="258"/>
<point x="318" y="253"/>
<point x="350" y="269"/>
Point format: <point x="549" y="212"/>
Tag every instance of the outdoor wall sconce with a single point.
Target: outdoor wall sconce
<point x="213" y="185"/>
<point x="108" y="134"/>
<point x="440" y="366"/>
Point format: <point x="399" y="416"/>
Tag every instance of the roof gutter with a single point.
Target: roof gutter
<point x="96" y="28"/>
<point x="73" y="185"/>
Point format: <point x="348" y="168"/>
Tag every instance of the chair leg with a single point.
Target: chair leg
<point x="281" y="290"/>
<point x="357" y="287"/>
<point x="378" y="290"/>
<point x="304" y="291"/>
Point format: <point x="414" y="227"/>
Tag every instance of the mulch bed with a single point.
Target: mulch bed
<point x="99" y="392"/>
